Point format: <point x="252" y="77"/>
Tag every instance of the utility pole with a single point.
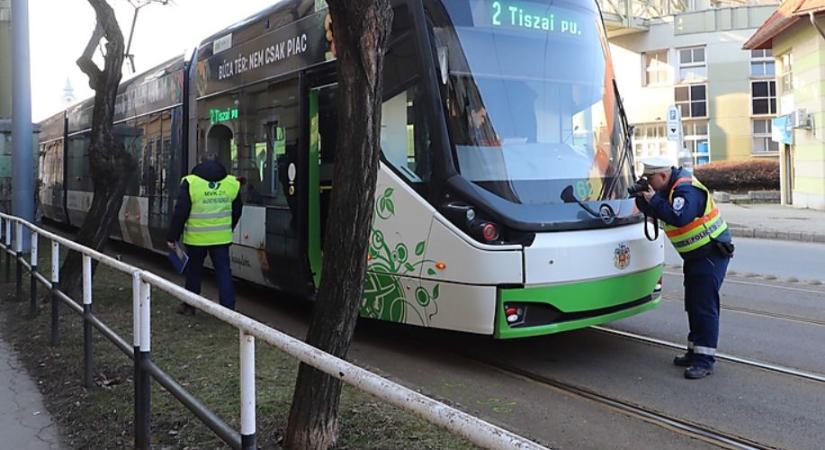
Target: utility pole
<point x="137" y="5"/>
<point x="5" y="106"/>
<point x="23" y="158"/>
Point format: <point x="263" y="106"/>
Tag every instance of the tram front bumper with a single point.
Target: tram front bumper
<point x="539" y="310"/>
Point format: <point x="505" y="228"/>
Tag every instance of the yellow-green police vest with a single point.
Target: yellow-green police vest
<point x="701" y="230"/>
<point x="210" y="219"/>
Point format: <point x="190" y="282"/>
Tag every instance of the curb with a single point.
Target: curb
<point x="779" y="235"/>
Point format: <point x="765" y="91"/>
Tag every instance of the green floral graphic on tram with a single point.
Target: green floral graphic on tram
<point x="385" y="297"/>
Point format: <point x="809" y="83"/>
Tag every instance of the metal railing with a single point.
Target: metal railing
<point x="473" y="429"/>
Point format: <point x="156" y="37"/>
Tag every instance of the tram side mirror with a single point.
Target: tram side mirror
<point x="567" y="195"/>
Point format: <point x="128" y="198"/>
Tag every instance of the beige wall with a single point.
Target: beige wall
<point x="723" y="32"/>
<point x="803" y="169"/>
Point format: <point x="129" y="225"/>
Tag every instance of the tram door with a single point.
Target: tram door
<point x="322" y="140"/>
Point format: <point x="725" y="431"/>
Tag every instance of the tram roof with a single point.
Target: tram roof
<point x="80" y="114"/>
<point x="52" y="127"/>
<point x="279" y="14"/>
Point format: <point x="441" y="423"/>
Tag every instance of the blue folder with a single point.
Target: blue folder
<point x="178" y="258"/>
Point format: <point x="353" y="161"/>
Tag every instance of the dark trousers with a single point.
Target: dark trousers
<point x="219" y="254"/>
<point x="703" y="279"/>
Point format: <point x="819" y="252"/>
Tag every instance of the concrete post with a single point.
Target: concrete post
<point x="22" y="161"/>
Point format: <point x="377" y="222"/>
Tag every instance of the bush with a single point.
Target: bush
<point x="751" y="175"/>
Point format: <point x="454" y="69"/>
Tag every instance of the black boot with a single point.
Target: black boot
<point x="696" y="372"/>
<point x="684" y="360"/>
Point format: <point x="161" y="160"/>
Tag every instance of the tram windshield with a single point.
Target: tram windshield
<point x="531" y="103"/>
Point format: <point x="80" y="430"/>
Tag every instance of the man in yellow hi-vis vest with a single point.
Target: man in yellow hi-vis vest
<point x="208" y="209"/>
<point x="696" y="230"/>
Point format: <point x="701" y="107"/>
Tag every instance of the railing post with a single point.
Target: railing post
<point x="8" y="250"/>
<point x="143" y="381"/>
<point x="88" y="362"/>
<point x="18" y="253"/>
<point x="55" y="339"/>
<point x="33" y="286"/>
<point x="247" y="392"/>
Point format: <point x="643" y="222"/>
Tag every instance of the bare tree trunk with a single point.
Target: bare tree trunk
<point x="111" y="166"/>
<point x="361" y="29"/>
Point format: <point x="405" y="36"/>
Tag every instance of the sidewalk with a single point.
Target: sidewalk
<point x="24" y="422"/>
<point x="773" y="221"/>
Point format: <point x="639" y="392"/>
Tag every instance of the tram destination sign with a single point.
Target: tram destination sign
<point x="287" y="49"/>
<point x="527" y="15"/>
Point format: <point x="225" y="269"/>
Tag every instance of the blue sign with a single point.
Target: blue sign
<point x="782" y="130"/>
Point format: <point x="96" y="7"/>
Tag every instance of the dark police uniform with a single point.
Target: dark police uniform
<point x="694" y="227"/>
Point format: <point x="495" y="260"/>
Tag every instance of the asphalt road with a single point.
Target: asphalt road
<point x="802" y="260"/>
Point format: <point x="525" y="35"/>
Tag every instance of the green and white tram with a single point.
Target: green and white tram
<point x="501" y="204"/>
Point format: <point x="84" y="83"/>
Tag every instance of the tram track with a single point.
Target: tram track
<point x="649" y="415"/>
<point x="774" y="368"/>
<point x="765" y="285"/>
<point x="761" y="313"/>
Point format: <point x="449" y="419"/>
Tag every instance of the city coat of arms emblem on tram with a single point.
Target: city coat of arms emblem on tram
<point x="621" y="256"/>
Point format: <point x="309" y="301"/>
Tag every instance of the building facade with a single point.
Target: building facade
<point x="795" y="35"/>
<point x="695" y="60"/>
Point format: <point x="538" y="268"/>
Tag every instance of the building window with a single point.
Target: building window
<point x="649" y="140"/>
<point x="657" y="70"/>
<point x="762" y="63"/>
<point x="692" y="100"/>
<point x="692" y="66"/>
<point x="697" y="140"/>
<point x="763" y="97"/>
<point x="787" y="73"/>
<point x="762" y="143"/>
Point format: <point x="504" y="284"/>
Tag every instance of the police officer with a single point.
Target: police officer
<point x="696" y="230"/>
<point x="208" y="209"/>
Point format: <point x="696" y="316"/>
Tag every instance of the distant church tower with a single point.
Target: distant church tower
<point x="68" y="93"/>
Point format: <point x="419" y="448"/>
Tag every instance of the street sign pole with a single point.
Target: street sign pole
<point x="23" y="158"/>
<point x="675" y="139"/>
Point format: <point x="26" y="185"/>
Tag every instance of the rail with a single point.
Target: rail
<point x="473" y="429"/>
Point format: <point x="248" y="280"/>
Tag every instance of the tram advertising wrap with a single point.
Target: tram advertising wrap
<point x="500" y="207"/>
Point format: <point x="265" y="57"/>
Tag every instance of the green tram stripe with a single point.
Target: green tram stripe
<point x="579" y="297"/>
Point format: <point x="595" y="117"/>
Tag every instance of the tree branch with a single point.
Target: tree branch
<point x="85" y="61"/>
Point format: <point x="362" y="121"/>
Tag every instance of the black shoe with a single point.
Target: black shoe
<point x="695" y="372"/>
<point x="684" y="360"/>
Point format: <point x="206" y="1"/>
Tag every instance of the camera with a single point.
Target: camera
<point x="639" y="187"/>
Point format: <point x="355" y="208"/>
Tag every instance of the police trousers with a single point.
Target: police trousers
<point x="703" y="279"/>
<point x="219" y="254"/>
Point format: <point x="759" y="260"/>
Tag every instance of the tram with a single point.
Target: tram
<point x="501" y="205"/>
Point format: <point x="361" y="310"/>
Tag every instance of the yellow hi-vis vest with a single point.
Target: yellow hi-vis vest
<point x="701" y="230"/>
<point x="210" y="219"/>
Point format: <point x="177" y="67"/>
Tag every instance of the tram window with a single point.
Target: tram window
<point x="405" y="140"/>
<point x="269" y="129"/>
<point x="79" y="171"/>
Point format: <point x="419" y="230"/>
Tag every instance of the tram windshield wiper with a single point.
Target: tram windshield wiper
<point x="568" y="196"/>
<point x="606" y="213"/>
